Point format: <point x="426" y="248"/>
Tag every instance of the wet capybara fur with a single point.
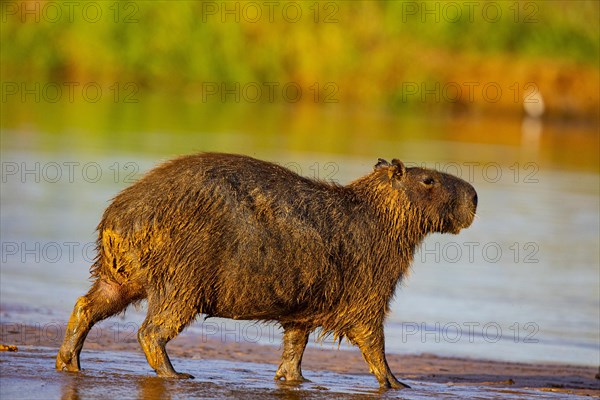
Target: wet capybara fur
<point x="230" y="236"/>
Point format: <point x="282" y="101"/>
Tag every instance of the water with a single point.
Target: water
<point x="127" y="377"/>
<point x="521" y="284"/>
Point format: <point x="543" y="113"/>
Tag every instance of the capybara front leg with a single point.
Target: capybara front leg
<point x="372" y="345"/>
<point x="294" y="342"/>
<point x="155" y="333"/>
<point x="103" y="300"/>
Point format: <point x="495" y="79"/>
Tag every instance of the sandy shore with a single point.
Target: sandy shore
<point x="252" y="363"/>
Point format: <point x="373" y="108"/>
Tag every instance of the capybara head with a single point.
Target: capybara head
<point x="441" y="202"/>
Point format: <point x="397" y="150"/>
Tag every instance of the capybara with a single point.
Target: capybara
<point x="231" y="236"/>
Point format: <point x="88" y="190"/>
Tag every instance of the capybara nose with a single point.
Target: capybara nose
<point x="475" y="199"/>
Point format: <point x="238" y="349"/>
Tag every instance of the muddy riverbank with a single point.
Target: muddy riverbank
<point x="117" y="369"/>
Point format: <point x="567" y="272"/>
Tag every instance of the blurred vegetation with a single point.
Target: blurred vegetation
<point x="369" y="50"/>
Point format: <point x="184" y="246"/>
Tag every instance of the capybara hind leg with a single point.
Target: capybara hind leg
<point x="372" y="345"/>
<point x="78" y="327"/>
<point x="155" y="333"/>
<point x="103" y="300"/>
<point x="294" y="342"/>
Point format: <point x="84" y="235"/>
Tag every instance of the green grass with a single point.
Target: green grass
<point x="365" y="47"/>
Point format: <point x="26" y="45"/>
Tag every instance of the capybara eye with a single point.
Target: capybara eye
<point x="428" y="181"/>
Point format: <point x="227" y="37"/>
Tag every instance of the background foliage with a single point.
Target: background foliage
<point x="368" y="49"/>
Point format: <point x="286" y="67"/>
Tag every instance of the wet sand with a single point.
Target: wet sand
<point x="117" y="369"/>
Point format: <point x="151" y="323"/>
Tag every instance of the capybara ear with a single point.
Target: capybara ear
<point x="399" y="168"/>
<point x="381" y="163"/>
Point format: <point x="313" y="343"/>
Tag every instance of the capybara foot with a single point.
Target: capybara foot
<point x="67" y="362"/>
<point x="290" y="377"/>
<point x="183" y="375"/>
<point x="292" y="380"/>
<point x="176" y="375"/>
<point x="393" y="383"/>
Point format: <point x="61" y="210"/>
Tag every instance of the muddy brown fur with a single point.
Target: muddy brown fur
<point x="234" y="237"/>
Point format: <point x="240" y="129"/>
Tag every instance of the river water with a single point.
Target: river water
<point x="521" y="284"/>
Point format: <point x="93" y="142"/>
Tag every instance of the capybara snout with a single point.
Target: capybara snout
<point x="231" y="236"/>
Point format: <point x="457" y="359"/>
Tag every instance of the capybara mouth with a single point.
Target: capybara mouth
<point x="456" y="228"/>
<point x="466" y="223"/>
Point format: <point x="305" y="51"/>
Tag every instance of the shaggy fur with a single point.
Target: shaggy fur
<point x="231" y="236"/>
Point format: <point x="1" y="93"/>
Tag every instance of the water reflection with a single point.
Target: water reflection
<point x="70" y="387"/>
<point x="153" y="387"/>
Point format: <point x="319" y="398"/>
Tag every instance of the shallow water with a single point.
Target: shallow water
<point x="521" y="284"/>
<point x="115" y="375"/>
